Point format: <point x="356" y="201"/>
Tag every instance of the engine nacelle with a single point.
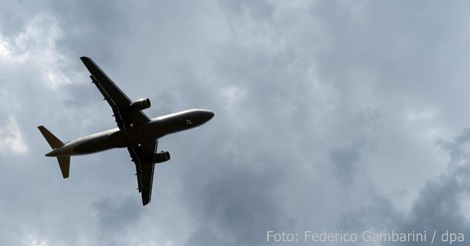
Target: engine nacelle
<point x="161" y="157"/>
<point x="141" y="104"/>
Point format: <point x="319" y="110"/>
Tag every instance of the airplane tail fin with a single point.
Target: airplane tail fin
<point x="54" y="142"/>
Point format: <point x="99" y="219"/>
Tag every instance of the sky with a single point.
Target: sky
<point x="330" y="116"/>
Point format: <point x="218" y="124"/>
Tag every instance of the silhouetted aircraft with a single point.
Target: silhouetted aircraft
<point x="137" y="132"/>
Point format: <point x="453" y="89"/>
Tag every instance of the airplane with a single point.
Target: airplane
<point x="136" y="132"/>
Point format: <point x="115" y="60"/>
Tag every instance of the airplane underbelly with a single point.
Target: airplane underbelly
<point x="94" y="145"/>
<point x="136" y="135"/>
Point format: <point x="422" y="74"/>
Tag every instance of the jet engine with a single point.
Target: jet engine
<point x="141" y="104"/>
<point x="161" y="157"/>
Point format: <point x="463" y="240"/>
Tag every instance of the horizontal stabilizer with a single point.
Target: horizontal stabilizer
<point x="64" y="164"/>
<point x="54" y="142"/>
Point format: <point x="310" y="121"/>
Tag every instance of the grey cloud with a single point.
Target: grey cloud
<point x="438" y="206"/>
<point x="256" y="9"/>
<point x="239" y="204"/>
<point x="456" y="149"/>
<point x="309" y="99"/>
<point x="408" y="48"/>
<point x="344" y="162"/>
<point x="378" y="216"/>
<point x="345" y="159"/>
<point x="116" y="216"/>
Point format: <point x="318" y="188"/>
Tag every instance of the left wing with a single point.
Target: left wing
<point x="141" y="155"/>
<point x="125" y="115"/>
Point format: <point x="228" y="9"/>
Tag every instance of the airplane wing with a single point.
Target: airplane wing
<point x="119" y="102"/>
<point x="142" y="157"/>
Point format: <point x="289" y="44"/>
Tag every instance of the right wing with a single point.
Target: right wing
<point x="119" y="102"/>
<point x="141" y="155"/>
<point x="126" y="116"/>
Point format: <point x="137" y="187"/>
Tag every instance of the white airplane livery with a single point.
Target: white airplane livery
<point x="135" y="131"/>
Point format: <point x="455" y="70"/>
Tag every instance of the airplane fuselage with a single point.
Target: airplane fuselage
<point x="134" y="135"/>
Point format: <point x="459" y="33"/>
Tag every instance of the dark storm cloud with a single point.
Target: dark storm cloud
<point x="344" y="162"/>
<point x="377" y="216"/>
<point x="409" y="47"/>
<point x="440" y="205"/>
<point x="346" y="157"/>
<point x="116" y="217"/>
<point x="239" y="205"/>
<point x="324" y="111"/>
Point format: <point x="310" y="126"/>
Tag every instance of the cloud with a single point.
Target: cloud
<point x="239" y="204"/>
<point x="11" y="139"/>
<point x="440" y="205"/>
<point x="344" y="161"/>
<point x="116" y="217"/>
<point x="327" y="116"/>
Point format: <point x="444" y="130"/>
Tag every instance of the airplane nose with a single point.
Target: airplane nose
<point x="201" y="116"/>
<point x="210" y="115"/>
